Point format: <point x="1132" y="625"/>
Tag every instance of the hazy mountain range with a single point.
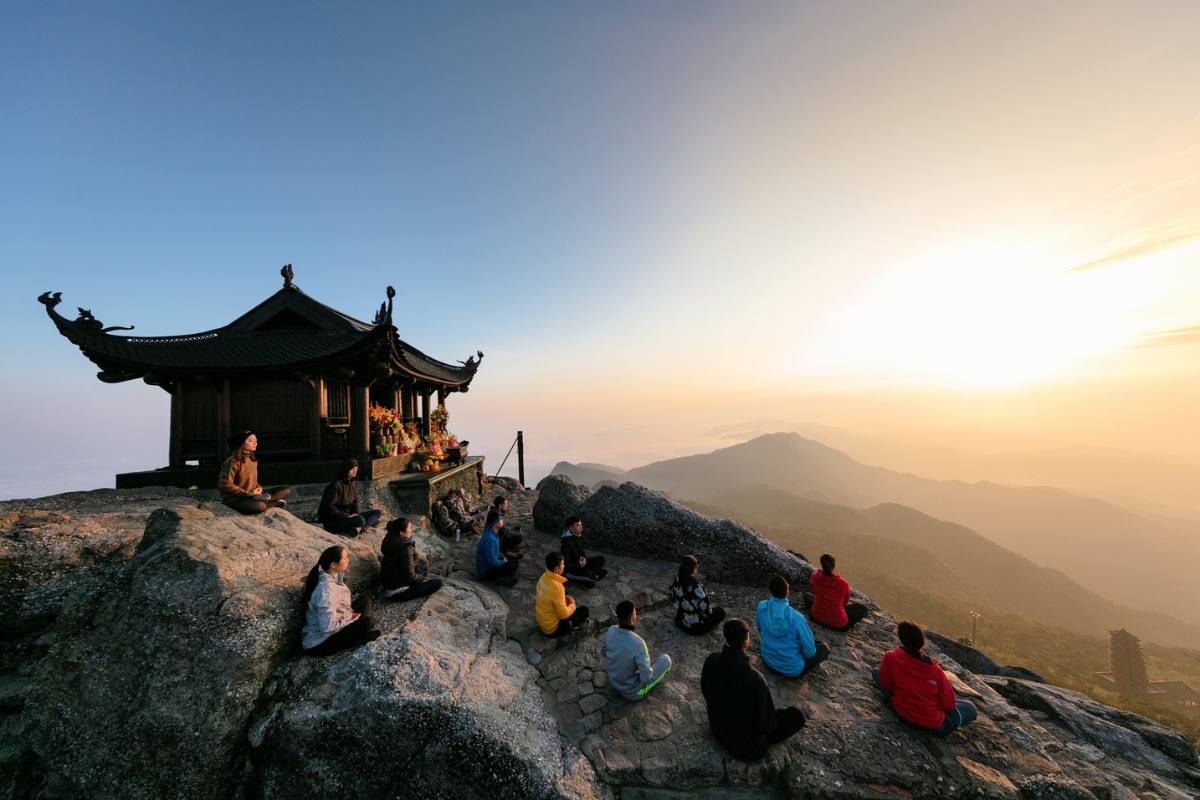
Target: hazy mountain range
<point x="1103" y="556"/>
<point x="1141" y="482"/>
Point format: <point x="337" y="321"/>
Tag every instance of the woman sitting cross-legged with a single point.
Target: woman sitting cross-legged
<point x="238" y="480"/>
<point x="916" y="687"/>
<point x="333" y="623"/>
<point x="338" y="511"/>
<point x="828" y="601"/>
<point x="693" y="613"/>
<point x="405" y="569"/>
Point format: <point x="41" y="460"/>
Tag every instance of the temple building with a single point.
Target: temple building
<point x="1127" y="673"/>
<point x="298" y="373"/>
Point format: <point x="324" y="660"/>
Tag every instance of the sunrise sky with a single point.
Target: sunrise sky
<point x="970" y="223"/>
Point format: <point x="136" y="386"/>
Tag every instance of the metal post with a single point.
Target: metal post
<point x="974" y="619"/>
<point x="521" y="457"/>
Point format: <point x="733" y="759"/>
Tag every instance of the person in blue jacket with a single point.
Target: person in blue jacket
<point x="491" y="564"/>
<point x="786" y="644"/>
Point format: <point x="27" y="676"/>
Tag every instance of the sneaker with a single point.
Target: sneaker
<point x="583" y="626"/>
<point x="280" y="503"/>
<point x="583" y="583"/>
<point x="601" y="574"/>
<point x="506" y="581"/>
<point x="372" y="635"/>
<point x="515" y="556"/>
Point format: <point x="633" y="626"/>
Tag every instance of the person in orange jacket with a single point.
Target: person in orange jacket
<point x="556" y="612"/>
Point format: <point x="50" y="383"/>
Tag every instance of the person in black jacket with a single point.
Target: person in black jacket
<point x="579" y="568"/>
<point x="741" y="712"/>
<point x="339" y="504"/>
<point x="405" y="569"/>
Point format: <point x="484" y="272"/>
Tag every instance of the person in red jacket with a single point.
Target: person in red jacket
<point x="828" y="599"/>
<point x="917" y="689"/>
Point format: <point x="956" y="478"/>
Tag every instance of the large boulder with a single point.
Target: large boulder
<point x="977" y="662"/>
<point x="52" y="547"/>
<point x="166" y="658"/>
<point x="443" y="705"/>
<point x="558" y="498"/>
<point x="639" y="522"/>
<point x="180" y="675"/>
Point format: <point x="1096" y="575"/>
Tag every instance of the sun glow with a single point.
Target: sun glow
<point x="967" y="322"/>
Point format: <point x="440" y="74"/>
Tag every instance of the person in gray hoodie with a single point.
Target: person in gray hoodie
<point x="630" y="672"/>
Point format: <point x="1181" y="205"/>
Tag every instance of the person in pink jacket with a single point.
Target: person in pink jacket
<point x="828" y="599"/>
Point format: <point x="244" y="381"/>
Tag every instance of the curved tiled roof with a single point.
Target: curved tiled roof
<point x="312" y="335"/>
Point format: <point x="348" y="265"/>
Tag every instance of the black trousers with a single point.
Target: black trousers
<point x="505" y="570"/>
<point x="715" y="617"/>
<point x="747" y="748"/>
<point x="354" y="634"/>
<point x="425" y="587"/>
<point x="572" y="622"/>
<point x="855" y="613"/>
<point x="818" y="657"/>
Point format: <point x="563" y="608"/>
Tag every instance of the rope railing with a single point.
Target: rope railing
<point x="519" y="444"/>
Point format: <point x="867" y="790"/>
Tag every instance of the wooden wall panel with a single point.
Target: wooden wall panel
<point x="200" y="423"/>
<point x="278" y="411"/>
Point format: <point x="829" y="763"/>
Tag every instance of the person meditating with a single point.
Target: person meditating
<point x="338" y="511"/>
<point x="333" y="623"/>
<point x="916" y="687"/>
<point x="693" y="613"/>
<point x="490" y="563"/>
<point x="828" y="601"/>
<point x="627" y="658"/>
<point x="238" y="479"/>
<point x="510" y="536"/>
<point x="579" y="568"/>
<point x="787" y="643"/>
<point x="556" y="612"/>
<point x="741" y="713"/>
<point x="405" y="569"/>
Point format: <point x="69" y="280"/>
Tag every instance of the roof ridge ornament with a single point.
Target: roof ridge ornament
<point x="287" y="274"/>
<point x="85" y="319"/>
<point x="471" y="363"/>
<point x="384" y="314"/>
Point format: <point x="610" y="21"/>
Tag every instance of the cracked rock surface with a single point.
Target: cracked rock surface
<point x="151" y="650"/>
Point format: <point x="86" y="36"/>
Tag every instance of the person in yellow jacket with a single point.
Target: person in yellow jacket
<point x="556" y="612"/>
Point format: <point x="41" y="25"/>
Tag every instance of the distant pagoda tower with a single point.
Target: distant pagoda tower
<point x="1127" y="673"/>
<point x="1126" y="663"/>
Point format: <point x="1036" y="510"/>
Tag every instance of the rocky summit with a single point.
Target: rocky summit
<point x="151" y="650"/>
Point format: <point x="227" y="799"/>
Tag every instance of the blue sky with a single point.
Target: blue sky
<point x="646" y="215"/>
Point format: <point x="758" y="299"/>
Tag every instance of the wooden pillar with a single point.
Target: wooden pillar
<point x="360" y="422"/>
<point x="175" y="451"/>
<point x="317" y="420"/>
<point x="223" y="423"/>
<point x="425" y="412"/>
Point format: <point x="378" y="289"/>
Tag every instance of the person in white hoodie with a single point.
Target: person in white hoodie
<point x="333" y="623"/>
<point x="630" y="672"/>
